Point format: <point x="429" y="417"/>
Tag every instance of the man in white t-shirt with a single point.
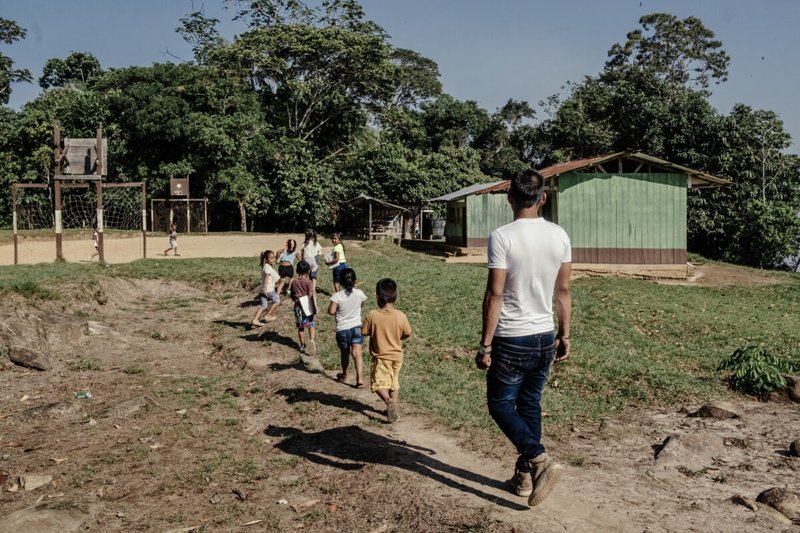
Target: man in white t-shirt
<point x="529" y="260"/>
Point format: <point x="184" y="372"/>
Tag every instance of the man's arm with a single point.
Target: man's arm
<point x="492" y="304"/>
<point x="563" y="311"/>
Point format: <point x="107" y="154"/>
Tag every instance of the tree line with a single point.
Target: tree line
<point x="313" y="105"/>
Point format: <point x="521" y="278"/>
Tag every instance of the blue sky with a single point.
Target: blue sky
<point x="488" y="51"/>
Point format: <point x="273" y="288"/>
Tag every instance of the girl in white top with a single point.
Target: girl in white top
<point x="310" y="252"/>
<point x="346" y="305"/>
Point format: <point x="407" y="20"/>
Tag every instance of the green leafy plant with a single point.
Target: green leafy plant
<point x="756" y="371"/>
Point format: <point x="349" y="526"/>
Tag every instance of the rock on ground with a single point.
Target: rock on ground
<point x="47" y="517"/>
<point x="794" y="448"/>
<point x="784" y="500"/>
<point x="692" y="452"/>
<point x="30" y="358"/>
<point x="762" y="508"/>
<point x="719" y="410"/>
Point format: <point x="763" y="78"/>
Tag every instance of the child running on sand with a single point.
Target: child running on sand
<point x="266" y="293"/>
<point x="346" y="305"/>
<point x="173" y="240"/>
<point x="95" y="239"/>
<point x="386" y="328"/>
<point x="301" y="287"/>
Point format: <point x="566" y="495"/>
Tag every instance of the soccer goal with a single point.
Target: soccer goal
<point x="190" y="215"/>
<point x="32" y="223"/>
<point x="79" y="220"/>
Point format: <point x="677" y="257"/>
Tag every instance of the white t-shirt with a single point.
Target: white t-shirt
<point x="310" y="253"/>
<point x="531" y="250"/>
<point x="348" y="312"/>
<point x="269" y="277"/>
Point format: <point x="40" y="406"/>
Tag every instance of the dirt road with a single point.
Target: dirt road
<point x="198" y="421"/>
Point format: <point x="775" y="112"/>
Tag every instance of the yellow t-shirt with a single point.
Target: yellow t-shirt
<point x="339" y="248"/>
<point x="386" y="328"/>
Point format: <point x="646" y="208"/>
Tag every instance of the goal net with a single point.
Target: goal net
<point x="190" y="216"/>
<point x="32" y="224"/>
<point x="123" y="230"/>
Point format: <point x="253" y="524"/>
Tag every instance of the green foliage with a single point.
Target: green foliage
<point x="756" y="370"/>
<point x="76" y="68"/>
<point x="10" y="32"/>
<point x="30" y="289"/>
<point x="683" y="52"/>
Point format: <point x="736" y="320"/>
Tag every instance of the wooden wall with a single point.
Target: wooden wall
<point x="624" y="218"/>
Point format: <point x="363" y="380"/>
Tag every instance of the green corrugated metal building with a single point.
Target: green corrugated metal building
<point x="622" y="208"/>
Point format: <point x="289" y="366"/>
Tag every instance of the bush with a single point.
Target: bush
<point x="756" y="371"/>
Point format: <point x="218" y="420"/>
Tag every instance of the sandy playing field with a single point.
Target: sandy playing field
<point x="120" y="250"/>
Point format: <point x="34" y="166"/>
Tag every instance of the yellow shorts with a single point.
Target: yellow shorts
<point x="384" y="374"/>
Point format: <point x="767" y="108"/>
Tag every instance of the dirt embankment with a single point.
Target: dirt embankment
<point x="197" y="421"/>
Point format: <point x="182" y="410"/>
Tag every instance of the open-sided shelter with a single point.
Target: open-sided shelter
<point x="372" y="218"/>
<point x="620" y="208"/>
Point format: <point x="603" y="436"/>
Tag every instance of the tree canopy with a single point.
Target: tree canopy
<point x="312" y="104"/>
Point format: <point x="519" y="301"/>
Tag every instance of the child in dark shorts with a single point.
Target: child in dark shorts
<point x="346" y="306"/>
<point x="303" y="286"/>
<point x="286" y="259"/>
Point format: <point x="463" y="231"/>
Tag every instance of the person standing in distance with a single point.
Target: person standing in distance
<point x="530" y="260"/>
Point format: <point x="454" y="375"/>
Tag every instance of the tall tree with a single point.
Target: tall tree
<point x="682" y="52"/>
<point x="77" y="67"/>
<point x="10" y="32"/>
<point x="201" y="33"/>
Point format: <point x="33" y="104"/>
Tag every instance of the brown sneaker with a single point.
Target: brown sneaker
<point x="392" y="413"/>
<point x="545" y="475"/>
<point x="521" y="483"/>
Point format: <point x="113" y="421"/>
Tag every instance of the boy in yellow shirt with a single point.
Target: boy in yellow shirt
<point x="386" y="328"/>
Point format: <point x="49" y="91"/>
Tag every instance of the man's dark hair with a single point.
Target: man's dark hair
<point x="386" y="291"/>
<point x="303" y="267"/>
<point x="527" y="187"/>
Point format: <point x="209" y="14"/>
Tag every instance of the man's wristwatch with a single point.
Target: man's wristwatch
<point x="482" y="349"/>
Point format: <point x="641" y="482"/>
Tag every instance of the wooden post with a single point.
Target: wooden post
<point x="369" y="221"/>
<point x="152" y="216"/>
<point x="57" y="147"/>
<point x="188" y="216"/>
<point x="144" y="221"/>
<point x="100" y="250"/>
<point x="99" y="164"/>
<point x="14" y="221"/>
<point x="205" y="215"/>
<point x="59" y="249"/>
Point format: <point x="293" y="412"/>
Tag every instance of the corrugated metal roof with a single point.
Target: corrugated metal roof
<point x="364" y="198"/>
<point x="697" y="177"/>
<point x="477" y="188"/>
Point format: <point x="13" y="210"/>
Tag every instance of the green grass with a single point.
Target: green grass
<point x="634" y="342"/>
<point x="85" y="364"/>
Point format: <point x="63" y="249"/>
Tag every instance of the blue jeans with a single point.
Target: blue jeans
<point x="514" y="387"/>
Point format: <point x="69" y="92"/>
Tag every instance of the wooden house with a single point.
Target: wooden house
<point x="625" y="208"/>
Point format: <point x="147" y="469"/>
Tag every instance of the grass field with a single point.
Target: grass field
<point x="635" y="342"/>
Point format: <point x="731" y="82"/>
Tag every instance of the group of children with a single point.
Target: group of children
<point x="386" y="326"/>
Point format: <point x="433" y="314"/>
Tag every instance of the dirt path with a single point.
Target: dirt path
<point x="198" y="421"/>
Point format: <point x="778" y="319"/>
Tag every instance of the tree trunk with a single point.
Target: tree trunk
<point x="243" y="217"/>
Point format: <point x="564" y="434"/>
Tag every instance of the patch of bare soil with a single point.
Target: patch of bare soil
<point x="719" y="275"/>
<point x="198" y="421"/>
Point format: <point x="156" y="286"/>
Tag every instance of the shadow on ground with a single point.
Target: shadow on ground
<point x="352" y="448"/>
<point x="297" y="395"/>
